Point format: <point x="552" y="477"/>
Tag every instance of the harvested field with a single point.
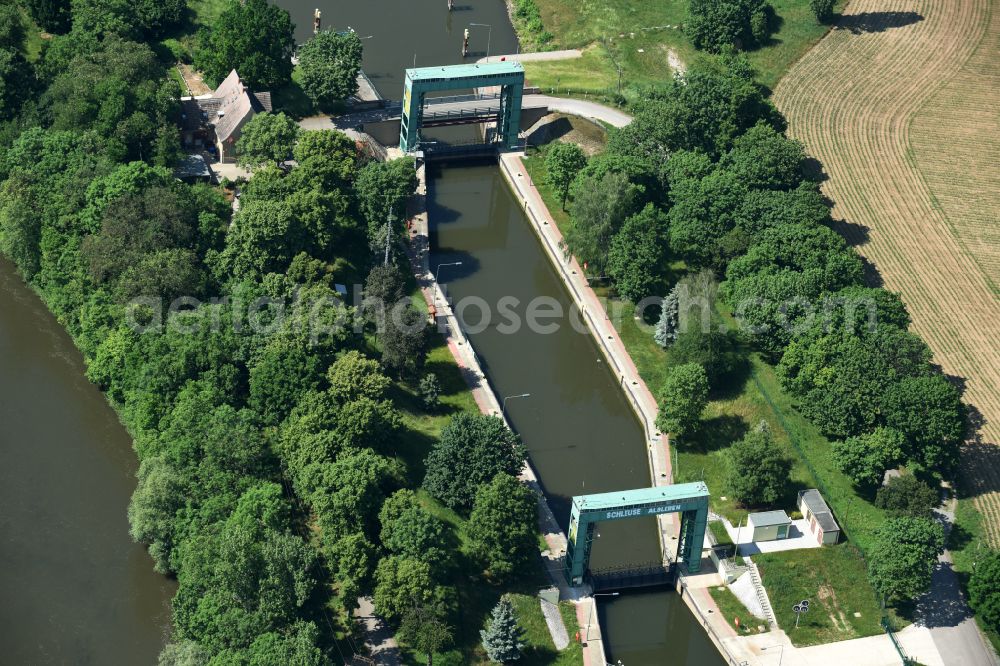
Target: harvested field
<point x="901" y="104"/>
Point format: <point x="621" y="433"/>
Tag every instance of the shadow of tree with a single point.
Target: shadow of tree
<point x="715" y="434"/>
<point x="876" y="21"/>
<point x="944" y="605"/>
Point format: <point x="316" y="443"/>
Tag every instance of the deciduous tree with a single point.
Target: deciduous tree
<point x="984" y="588"/>
<point x="563" y="162"/>
<point x="865" y="458"/>
<point x="329" y="65"/>
<point x="903" y="555"/>
<point x="267" y="139"/>
<point x="906" y="495"/>
<point x="254" y="37"/>
<point x="638" y="251"/>
<point x="426" y="630"/>
<point x="598" y="211"/>
<point x="716" y="24"/>
<point x="682" y="399"/>
<point x="503" y="527"/>
<point x="757" y="472"/>
<point x="382" y="189"/>
<point x="471" y="451"/>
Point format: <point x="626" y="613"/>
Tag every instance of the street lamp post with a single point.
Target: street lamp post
<point x="437" y="272"/>
<point x="503" y="408"/>
<point x="593" y="605"/>
<point x="489" y="36"/>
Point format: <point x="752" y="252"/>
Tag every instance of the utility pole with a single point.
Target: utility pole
<point x="388" y="235"/>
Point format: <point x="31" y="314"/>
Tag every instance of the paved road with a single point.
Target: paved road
<point x="538" y="56"/>
<point x="579" y="107"/>
<point x="573" y="107"/>
<point x="944" y="611"/>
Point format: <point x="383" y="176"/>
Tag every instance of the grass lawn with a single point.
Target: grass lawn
<point x="540" y="649"/>
<point x="536" y="170"/>
<point x="720" y="533"/>
<point x="32" y="46"/>
<point x="592" y="73"/>
<point x="965" y="541"/>
<point x="642" y="37"/>
<point x="839" y="607"/>
<point x="205" y="11"/>
<point x="732" y="608"/>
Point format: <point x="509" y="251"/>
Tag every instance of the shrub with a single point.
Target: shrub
<point x="984" y="589"/>
<point x="822" y="9"/>
<point x="907" y="496"/>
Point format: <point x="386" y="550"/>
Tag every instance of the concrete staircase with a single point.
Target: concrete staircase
<point x="765" y="603"/>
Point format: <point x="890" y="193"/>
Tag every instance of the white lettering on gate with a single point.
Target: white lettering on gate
<point x="650" y="511"/>
<point x="624" y="513"/>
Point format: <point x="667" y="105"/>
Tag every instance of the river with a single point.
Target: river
<point x="75" y="588"/>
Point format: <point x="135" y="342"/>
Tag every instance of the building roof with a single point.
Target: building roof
<point x="818" y="507"/>
<point x="465" y="71"/>
<point x="671" y="493"/>
<point x="769" y="518"/>
<point x="227" y="109"/>
<point x="192" y="167"/>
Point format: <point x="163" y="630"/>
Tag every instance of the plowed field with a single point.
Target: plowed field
<point x="901" y="104"/>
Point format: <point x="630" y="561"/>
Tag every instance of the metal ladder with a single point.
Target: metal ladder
<point x="758" y="587"/>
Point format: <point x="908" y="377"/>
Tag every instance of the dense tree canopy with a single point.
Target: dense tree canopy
<point x="471" y="451"/>
<point x="601" y="206"/>
<point x="638" y="250"/>
<point x="984" y="588"/>
<point x="706" y="109"/>
<point x="329" y="64"/>
<point x="903" y="556"/>
<point x="52" y="15"/>
<point x="503" y="527"/>
<point x="865" y="458"/>
<point x="254" y="37"/>
<point x="17" y="82"/>
<point x="715" y="24"/>
<point x="383" y="189"/>
<point x="119" y="90"/>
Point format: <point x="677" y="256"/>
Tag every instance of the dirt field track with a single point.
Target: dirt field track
<point x="901" y="104"/>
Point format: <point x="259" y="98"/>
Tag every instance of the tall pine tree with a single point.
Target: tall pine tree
<point x="502" y="635"/>
<point x="666" y="327"/>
